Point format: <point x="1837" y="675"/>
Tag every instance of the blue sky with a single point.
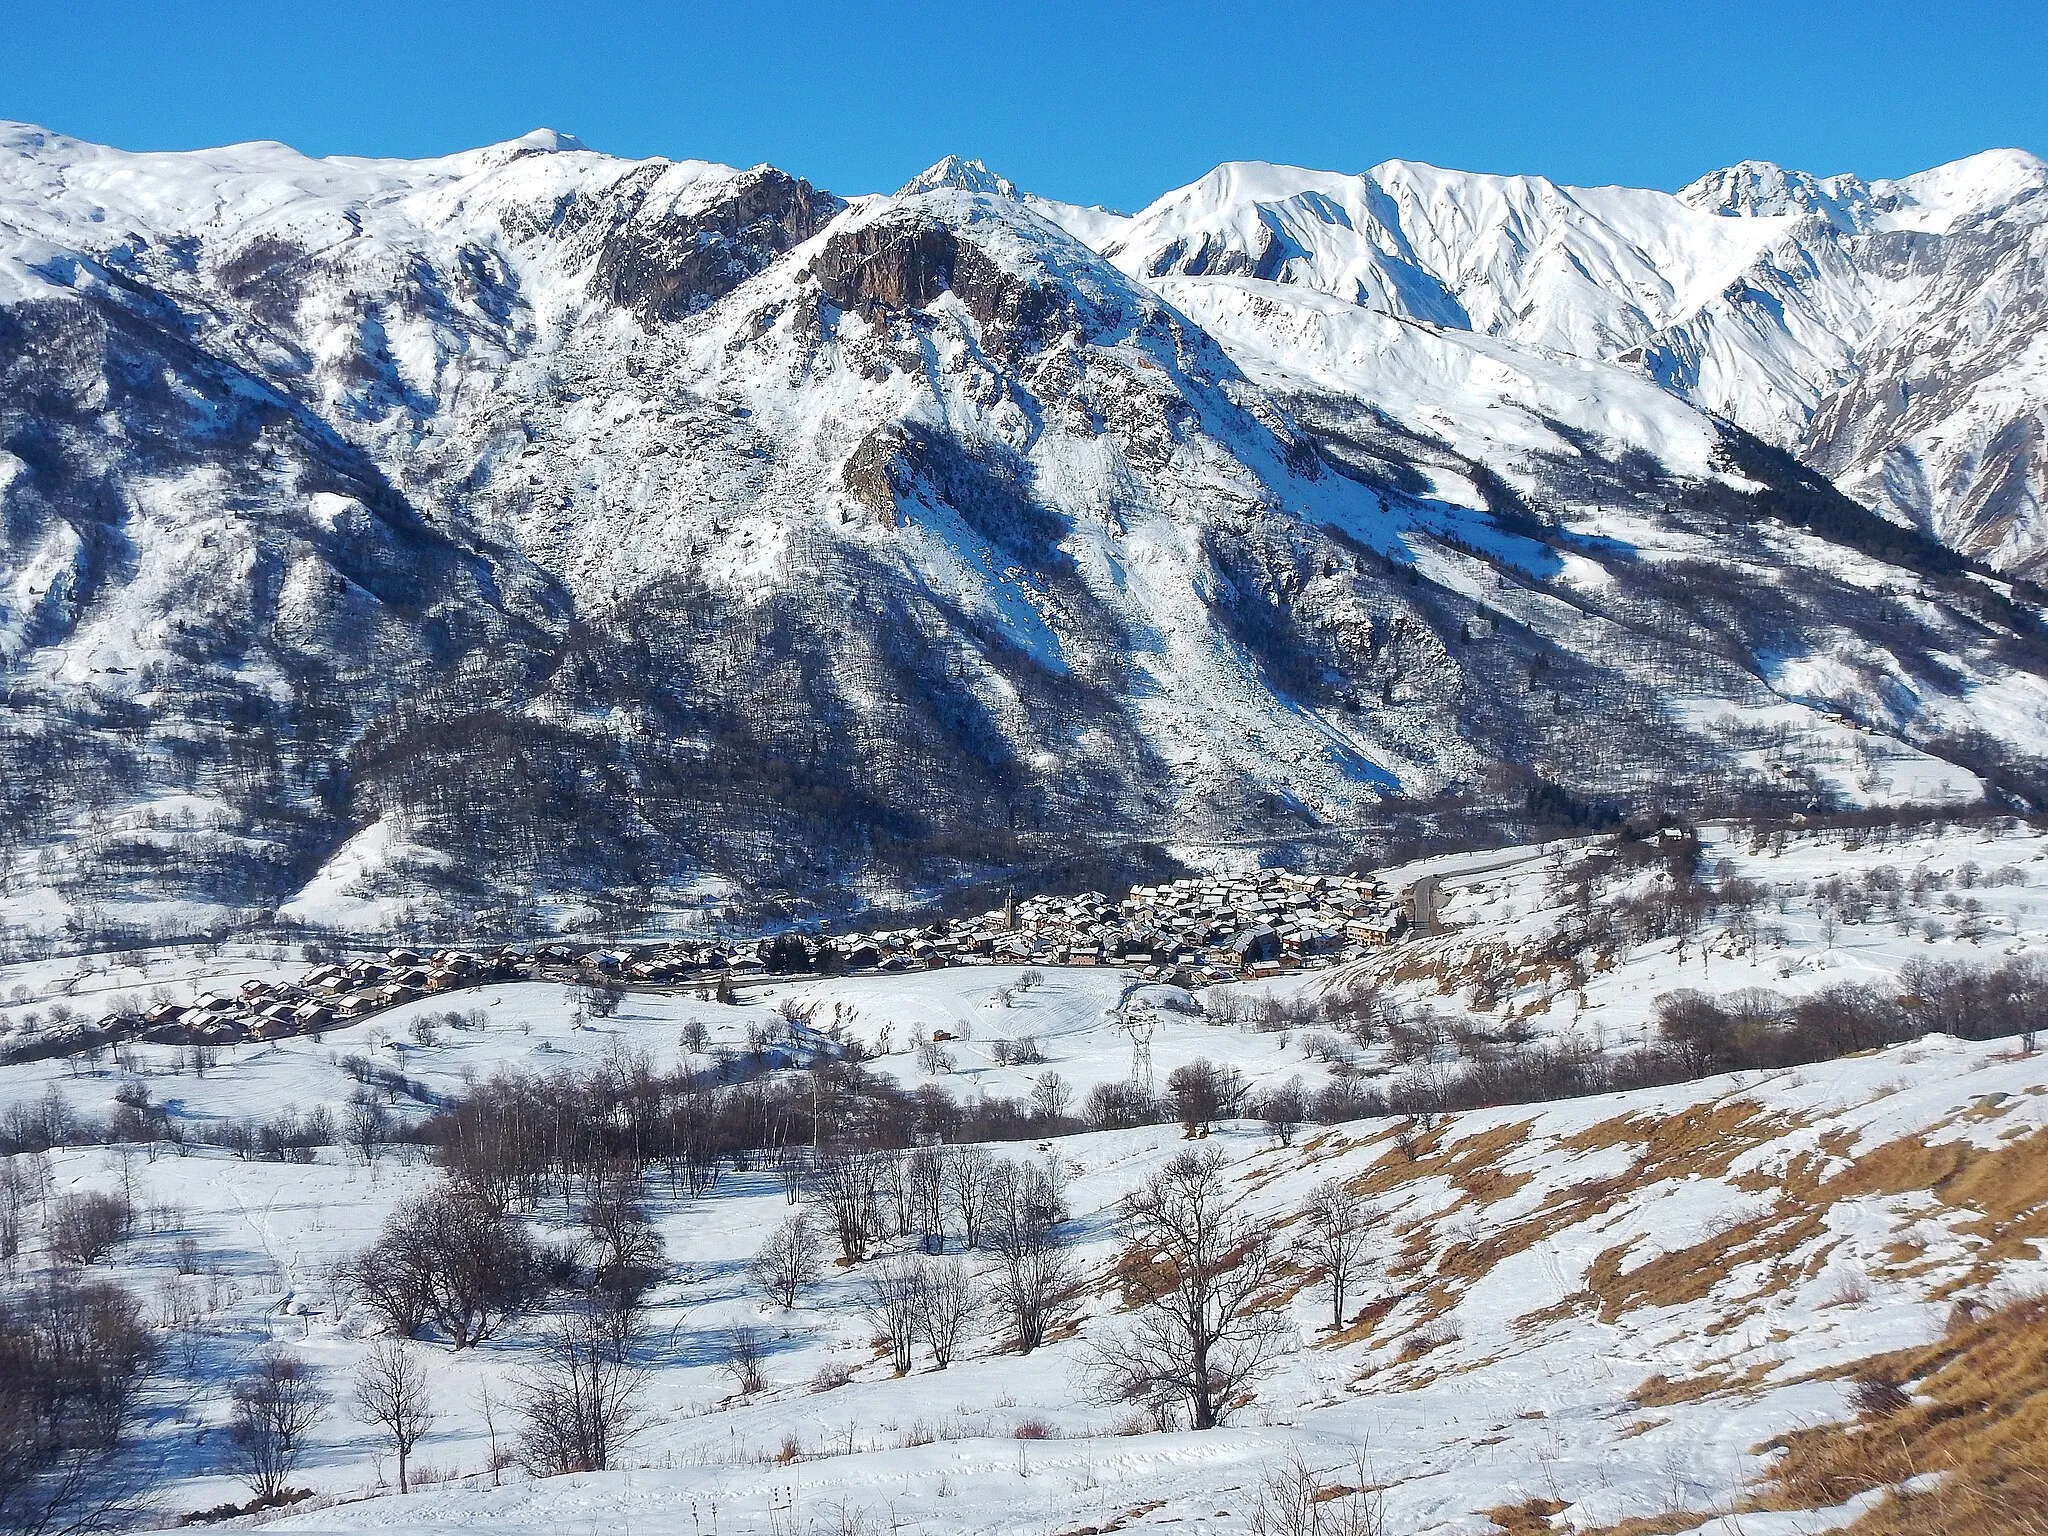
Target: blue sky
<point x="1090" y="102"/>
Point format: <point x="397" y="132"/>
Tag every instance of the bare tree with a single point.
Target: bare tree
<point x="1051" y="1098"/>
<point x="84" y="1228"/>
<point x="1036" y="1276"/>
<point x="630" y="1255"/>
<point x="947" y="1304"/>
<point x="1201" y="1335"/>
<point x="847" y="1187"/>
<point x="924" y="1187"/>
<point x="579" y="1406"/>
<point x="791" y="1261"/>
<point x="391" y="1395"/>
<point x="447" y="1256"/>
<point x="1334" y="1240"/>
<point x="14" y="1203"/>
<point x="743" y="1357"/>
<point x="1283" y="1110"/>
<point x="1202" y="1093"/>
<point x="891" y="1299"/>
<point x="272" y="1409"/>
<point x="365" y="1124"/>
<point x="965" y="1176"/>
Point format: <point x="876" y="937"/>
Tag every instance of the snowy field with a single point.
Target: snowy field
<point x="1608" y="1303"/>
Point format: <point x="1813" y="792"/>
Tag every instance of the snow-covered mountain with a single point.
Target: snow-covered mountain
<point x="1889" y="332"/>
<point x="529" y="528"/>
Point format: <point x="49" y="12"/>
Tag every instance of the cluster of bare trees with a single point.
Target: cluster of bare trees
<point x="1010" y="1211"/>
<point x="446" y="1258"/>
<point x="1206" y="1279"/>
<point x="934" y="1195"/>
<point x="909" y="1298"/>
<point x="521" y="1139"/>
<point x="74" y="1356"/>
<point x="1758" y="1028"/>
<point x="451" y="1259"/>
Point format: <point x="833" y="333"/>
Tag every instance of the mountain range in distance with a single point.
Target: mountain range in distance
<point x="532" y="537"/>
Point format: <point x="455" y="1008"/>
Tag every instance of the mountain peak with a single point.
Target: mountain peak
<point x="1754" y="189"/>
<point x="960" y="175"/>
<point x="548" y="141"/>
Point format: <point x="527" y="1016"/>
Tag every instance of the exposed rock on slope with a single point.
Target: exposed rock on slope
<point x="528" y="529"/>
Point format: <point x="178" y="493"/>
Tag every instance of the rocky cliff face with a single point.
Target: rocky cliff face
<point x="531" y="535"/>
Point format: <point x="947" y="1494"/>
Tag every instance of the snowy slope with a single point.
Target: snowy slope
<point x="534" y="535"/>
<point x="1887" y="331"/>
<point x="1611" y="1303"/>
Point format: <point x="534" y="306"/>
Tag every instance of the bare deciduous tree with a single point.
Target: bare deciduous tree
<point x="891" y="1299"/>
<point x="447" y="1256"/>
<point x="1036" y="1276"/>
<point x="948" y="1302"/>
<point x="1203" y="1266"/>
<point x="847" y="1187"/>
<point x="1283" y="1111"/>
<point x="1334" y="1241"/>
<point x="84" y="1228"/>
<point x="965" y="1177"/>
<point x="271" y="1411"/>
<point x="743" y="1357"/>
<point x="579" y="1406"/>
<point x="73" y="1358"/>
<point x="924" y="1186"/>
<point x="791" y="1261"/>
<point x="391" y="1395"/>
<point x="1051" y="1098"/>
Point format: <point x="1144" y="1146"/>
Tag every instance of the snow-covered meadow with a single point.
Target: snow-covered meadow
<point x="1609" y="1304"/>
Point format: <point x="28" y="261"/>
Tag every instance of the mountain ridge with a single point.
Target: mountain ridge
<point x="542" y="537"/>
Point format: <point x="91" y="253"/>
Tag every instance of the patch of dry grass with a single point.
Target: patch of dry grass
<point x="1975" y="1414"/>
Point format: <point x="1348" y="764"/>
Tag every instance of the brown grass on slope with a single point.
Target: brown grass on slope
<point x="1974" y="1412"/>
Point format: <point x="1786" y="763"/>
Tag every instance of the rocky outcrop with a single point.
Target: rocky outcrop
<point x="665" y="268"/>
<point x="907" y="263"/>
